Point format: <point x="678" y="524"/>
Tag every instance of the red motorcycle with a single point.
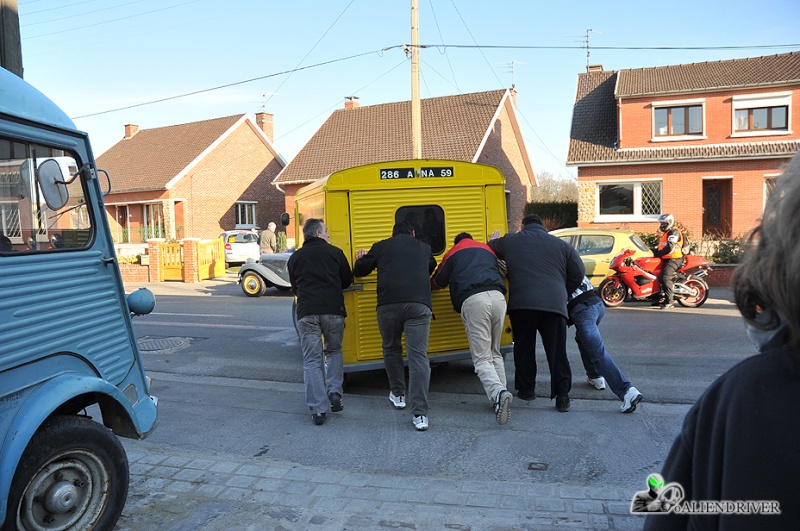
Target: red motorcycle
<point x="641" y="280"/>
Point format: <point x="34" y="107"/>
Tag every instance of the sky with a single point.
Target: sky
<point x="157" y="63"/>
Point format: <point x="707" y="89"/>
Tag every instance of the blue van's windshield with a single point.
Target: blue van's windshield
<point x="27" y="224"/>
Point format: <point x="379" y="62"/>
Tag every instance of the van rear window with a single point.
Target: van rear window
<point x="428" y="223"/>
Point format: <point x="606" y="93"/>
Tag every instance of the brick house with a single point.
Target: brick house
<point x="193" y="180"/>
<point x="702" y="141"/>
<point x="479" y="127"/>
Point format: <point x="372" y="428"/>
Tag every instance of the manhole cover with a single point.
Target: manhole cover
<point x="164" y="343"/>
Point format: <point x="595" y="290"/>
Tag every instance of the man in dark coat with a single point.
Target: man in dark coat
<point x="404" y="266"/>
<point x="318" y="272"/>
<point x="542" y="271"/>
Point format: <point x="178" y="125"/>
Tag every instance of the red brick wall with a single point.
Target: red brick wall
<point x="682" y="190"/>
<point x="240" y="168"/>
<point x="637" y="119"/>
<point x="502" y="151"/>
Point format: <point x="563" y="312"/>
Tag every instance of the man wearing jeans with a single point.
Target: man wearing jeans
<point x="318" y="272"/>
<point x="586" y="310"/>
<point x="477" y="292"/>
<point x="404" y="266"/>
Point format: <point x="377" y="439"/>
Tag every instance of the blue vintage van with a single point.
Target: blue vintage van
<point x="66" y="342"/>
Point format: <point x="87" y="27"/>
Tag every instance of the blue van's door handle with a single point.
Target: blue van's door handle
<point x="108" y="260"/>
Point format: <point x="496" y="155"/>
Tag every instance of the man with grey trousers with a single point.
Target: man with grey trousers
<point x="318" y="272"/>
<point x="542" y="270"/>
<point x="404" y="267"/>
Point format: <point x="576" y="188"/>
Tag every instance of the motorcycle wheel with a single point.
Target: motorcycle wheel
<point x="612" y="296"/>
<point x="700" y="296"/>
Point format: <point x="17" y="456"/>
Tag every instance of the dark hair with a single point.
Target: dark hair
<point x="462" y="236"/>
<point x="768" y="278"/>
<point x="402" y="227"/>
<point x="531" y="218"/>
<point x="311" y="227"/>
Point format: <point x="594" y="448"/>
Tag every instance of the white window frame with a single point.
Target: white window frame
<point x="245" y="210"/>
<point x="755" y="101"/>
<point x="676" y="103"/>
<point x="768" y="177"/>
<point x="637" y="215"/>
<point x="5" y="225"/>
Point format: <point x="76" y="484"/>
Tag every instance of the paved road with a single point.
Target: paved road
<point x="260" y="463"/>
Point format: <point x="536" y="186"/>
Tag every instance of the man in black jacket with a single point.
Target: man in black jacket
<point x="404" y="308"/>
<point x="477" y="293"/>
<point x="318" y="272"/>
<point x="542" y="270"/>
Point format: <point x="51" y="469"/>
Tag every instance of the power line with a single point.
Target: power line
<point x="227" y="85"/>
<point x="311" y="50"/>
<point x="404" y="46"/>
<point x="74" y="29"/>
<point x="77" y="15"/>
<point x="436" y="21"/>
<point x="548" y="47"/>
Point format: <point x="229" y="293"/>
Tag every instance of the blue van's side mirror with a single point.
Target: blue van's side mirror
<point x="141" y="302"/>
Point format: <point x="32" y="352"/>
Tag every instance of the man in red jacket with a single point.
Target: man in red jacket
<point x="478" y="294"/>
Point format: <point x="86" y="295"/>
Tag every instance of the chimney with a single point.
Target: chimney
<point x="594" y="68"/>
<point x="351" y="102"/>
<point x="264" y="121"/>
<point x="131" y="130"/>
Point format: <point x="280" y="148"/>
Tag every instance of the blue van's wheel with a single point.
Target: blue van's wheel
<point x="72" y="475"/>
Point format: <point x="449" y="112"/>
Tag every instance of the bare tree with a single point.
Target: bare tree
<point x="553" y="189"/>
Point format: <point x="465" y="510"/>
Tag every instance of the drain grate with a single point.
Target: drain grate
<point x="164" y="343"/>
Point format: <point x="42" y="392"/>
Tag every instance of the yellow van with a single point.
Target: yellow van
<point x="360" y="205"/>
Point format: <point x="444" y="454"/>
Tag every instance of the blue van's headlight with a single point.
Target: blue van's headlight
<point x="141" y="302"/>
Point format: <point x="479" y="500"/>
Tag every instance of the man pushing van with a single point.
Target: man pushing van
<point x="404" y="266"/>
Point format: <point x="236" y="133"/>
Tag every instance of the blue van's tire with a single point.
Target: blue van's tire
<point x="73" y="474"/>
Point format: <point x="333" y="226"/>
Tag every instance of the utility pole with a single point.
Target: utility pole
<point x="10" y="43"/>
<point x="416" y="108"/>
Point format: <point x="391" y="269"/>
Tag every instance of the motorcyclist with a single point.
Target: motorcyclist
<point x="670" y="249"/>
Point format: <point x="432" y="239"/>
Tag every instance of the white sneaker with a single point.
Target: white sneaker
<point x="502" y="408"/>
<point x="421" y="422"/>
<point x="597" y="383"/>
<point x="629" y="401"/>
<point x="399" y="402"/>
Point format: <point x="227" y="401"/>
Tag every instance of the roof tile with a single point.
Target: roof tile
<point x="453" y="127"/>
<point x="152" y="157"/>
<point x="594" y="121"/>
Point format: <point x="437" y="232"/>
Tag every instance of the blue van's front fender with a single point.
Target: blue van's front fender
<point x="22" y="412"/>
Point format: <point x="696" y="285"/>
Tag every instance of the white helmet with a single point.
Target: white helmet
<point x="667" y="222"/>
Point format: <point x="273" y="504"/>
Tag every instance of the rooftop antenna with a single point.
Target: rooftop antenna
<point x="511" y="65"/>
<point x="588" y="48"/>
<point x="265" y="97"/>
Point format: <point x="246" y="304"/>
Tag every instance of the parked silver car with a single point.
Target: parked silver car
<point x="239" y="246"/>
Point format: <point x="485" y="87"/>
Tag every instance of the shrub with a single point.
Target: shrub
<point x="728" y="251"/>
<point x="280" y="242"/>
<point x="129" y="259"/>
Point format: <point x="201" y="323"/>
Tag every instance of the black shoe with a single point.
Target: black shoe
<point x="562" y="403"/>
<point x="318" y="418"/>
<point x="526" y="395"/>
<point x="336" y="402"/>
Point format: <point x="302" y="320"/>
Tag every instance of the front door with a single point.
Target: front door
<point x="717" y="199"/>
